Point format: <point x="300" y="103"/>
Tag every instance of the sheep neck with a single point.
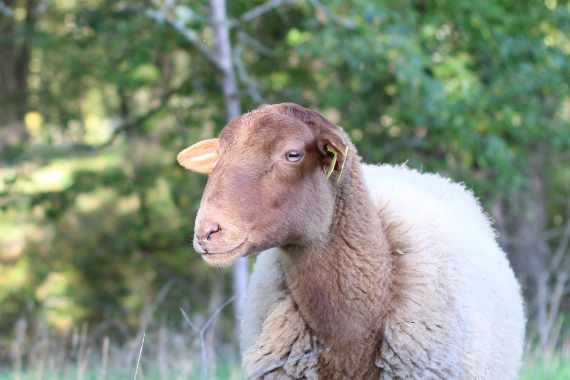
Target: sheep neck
<point x="342" y="285"/>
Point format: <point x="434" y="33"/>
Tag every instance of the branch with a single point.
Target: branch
<point x="246" y="39"/>
<point x="252" y="86"/>
<point x="204" y="330"/>
<point x="139" y="357"/>
<point x="42" y="154"/>
<point x="129" y="125"/>
<point x="189" y="34"/>
<point x="560" y="256"/>
<point x="215" y="314"/>
<point x="270" y="5"/>
<point x="264" y="8"/>
<point x="557" y="293"/>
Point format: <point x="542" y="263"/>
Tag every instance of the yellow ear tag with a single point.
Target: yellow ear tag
<point x="342" y="166"/>
<point x="330" y="169"/>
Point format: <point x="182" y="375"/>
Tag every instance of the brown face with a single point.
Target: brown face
<point x="268" y="184"/>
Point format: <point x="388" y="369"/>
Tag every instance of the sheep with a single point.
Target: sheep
<point x="363" y="271"/>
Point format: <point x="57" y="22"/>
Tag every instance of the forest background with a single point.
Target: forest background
<point x="98" y="96"/>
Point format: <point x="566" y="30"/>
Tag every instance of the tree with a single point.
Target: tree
<point x="14" y="68"/>
<point x="233" y="109"/>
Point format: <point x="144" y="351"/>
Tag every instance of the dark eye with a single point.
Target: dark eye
<point x="294" y="156"/>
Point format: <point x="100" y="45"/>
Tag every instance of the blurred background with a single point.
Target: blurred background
<point x="98" y="279"/>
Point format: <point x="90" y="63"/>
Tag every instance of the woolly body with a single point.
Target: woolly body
<point x="455" y="310"/>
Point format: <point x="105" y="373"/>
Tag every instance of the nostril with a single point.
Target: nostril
<point x="214" y="229"/>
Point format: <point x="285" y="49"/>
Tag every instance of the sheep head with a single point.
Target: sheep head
<point x="273" y="178"/>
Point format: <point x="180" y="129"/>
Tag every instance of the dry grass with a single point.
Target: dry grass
<point x="166" y="354"/>
<point x="162" y="353"/>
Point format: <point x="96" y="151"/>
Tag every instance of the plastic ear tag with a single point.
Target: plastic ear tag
<point x="330" y="169"/>
<point x="342" y="166"/>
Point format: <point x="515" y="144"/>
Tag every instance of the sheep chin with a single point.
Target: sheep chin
<point x="221" y="260"/>
<point x="225" y="259"/>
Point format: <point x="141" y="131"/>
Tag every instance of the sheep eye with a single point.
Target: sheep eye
<point x="294" y="156"/>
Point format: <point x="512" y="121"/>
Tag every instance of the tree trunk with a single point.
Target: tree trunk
<point x="14" y="68"/>
<point x="233" y="109"/>
<point x="532" y="253"/>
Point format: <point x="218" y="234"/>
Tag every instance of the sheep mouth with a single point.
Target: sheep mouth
<point x="227" y="257"/>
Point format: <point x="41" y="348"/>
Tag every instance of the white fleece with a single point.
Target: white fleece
<point x="459" y="313"/>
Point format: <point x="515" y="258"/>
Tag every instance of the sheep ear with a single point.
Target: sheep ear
<point x="200" y="157"/>
<point x="330" y="141"/>
<point x="335" y="155"/>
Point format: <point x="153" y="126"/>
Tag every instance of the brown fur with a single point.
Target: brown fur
<point x="341" y="290"/>
<point x="342" y="286"/>
<point x="260" y="200"/>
